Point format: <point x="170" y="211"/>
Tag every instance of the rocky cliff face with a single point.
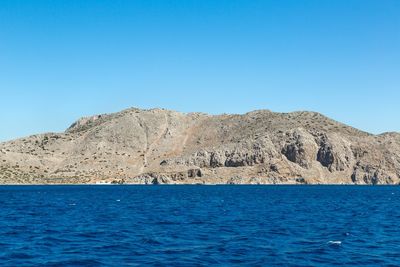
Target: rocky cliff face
<point x="166" y="147"/>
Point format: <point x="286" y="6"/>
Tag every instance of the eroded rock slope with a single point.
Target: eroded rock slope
<point x="166" y="147"/>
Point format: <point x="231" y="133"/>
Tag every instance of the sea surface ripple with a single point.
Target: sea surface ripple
<point x="199" y="226"/>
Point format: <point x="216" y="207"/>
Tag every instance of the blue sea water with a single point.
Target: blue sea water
<point x="199" y="226"/>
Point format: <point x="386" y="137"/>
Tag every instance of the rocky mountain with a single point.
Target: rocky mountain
<point x="167" y="147"/>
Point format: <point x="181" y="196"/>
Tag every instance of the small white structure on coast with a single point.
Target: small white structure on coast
<point x="103" y="183"/>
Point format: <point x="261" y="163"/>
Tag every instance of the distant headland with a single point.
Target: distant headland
<point x="160" y="146"/>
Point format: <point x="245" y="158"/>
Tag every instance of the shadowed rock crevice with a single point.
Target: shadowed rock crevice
<point x="300" y="148"/>
<point x="334" y="153"/>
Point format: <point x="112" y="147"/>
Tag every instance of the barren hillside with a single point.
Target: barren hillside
<point x="166" y="147"/>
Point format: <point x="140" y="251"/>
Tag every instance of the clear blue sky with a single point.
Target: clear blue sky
<point x="60" y="60"/>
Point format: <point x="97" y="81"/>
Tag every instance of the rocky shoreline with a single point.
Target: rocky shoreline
<point x="166" y="147"/>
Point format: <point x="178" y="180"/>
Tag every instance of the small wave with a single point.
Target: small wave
<point x="76" y="262"/>
<point x="19" y="256"/>
<point x="335" y="243"/>
<point x="150" y="241"/>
